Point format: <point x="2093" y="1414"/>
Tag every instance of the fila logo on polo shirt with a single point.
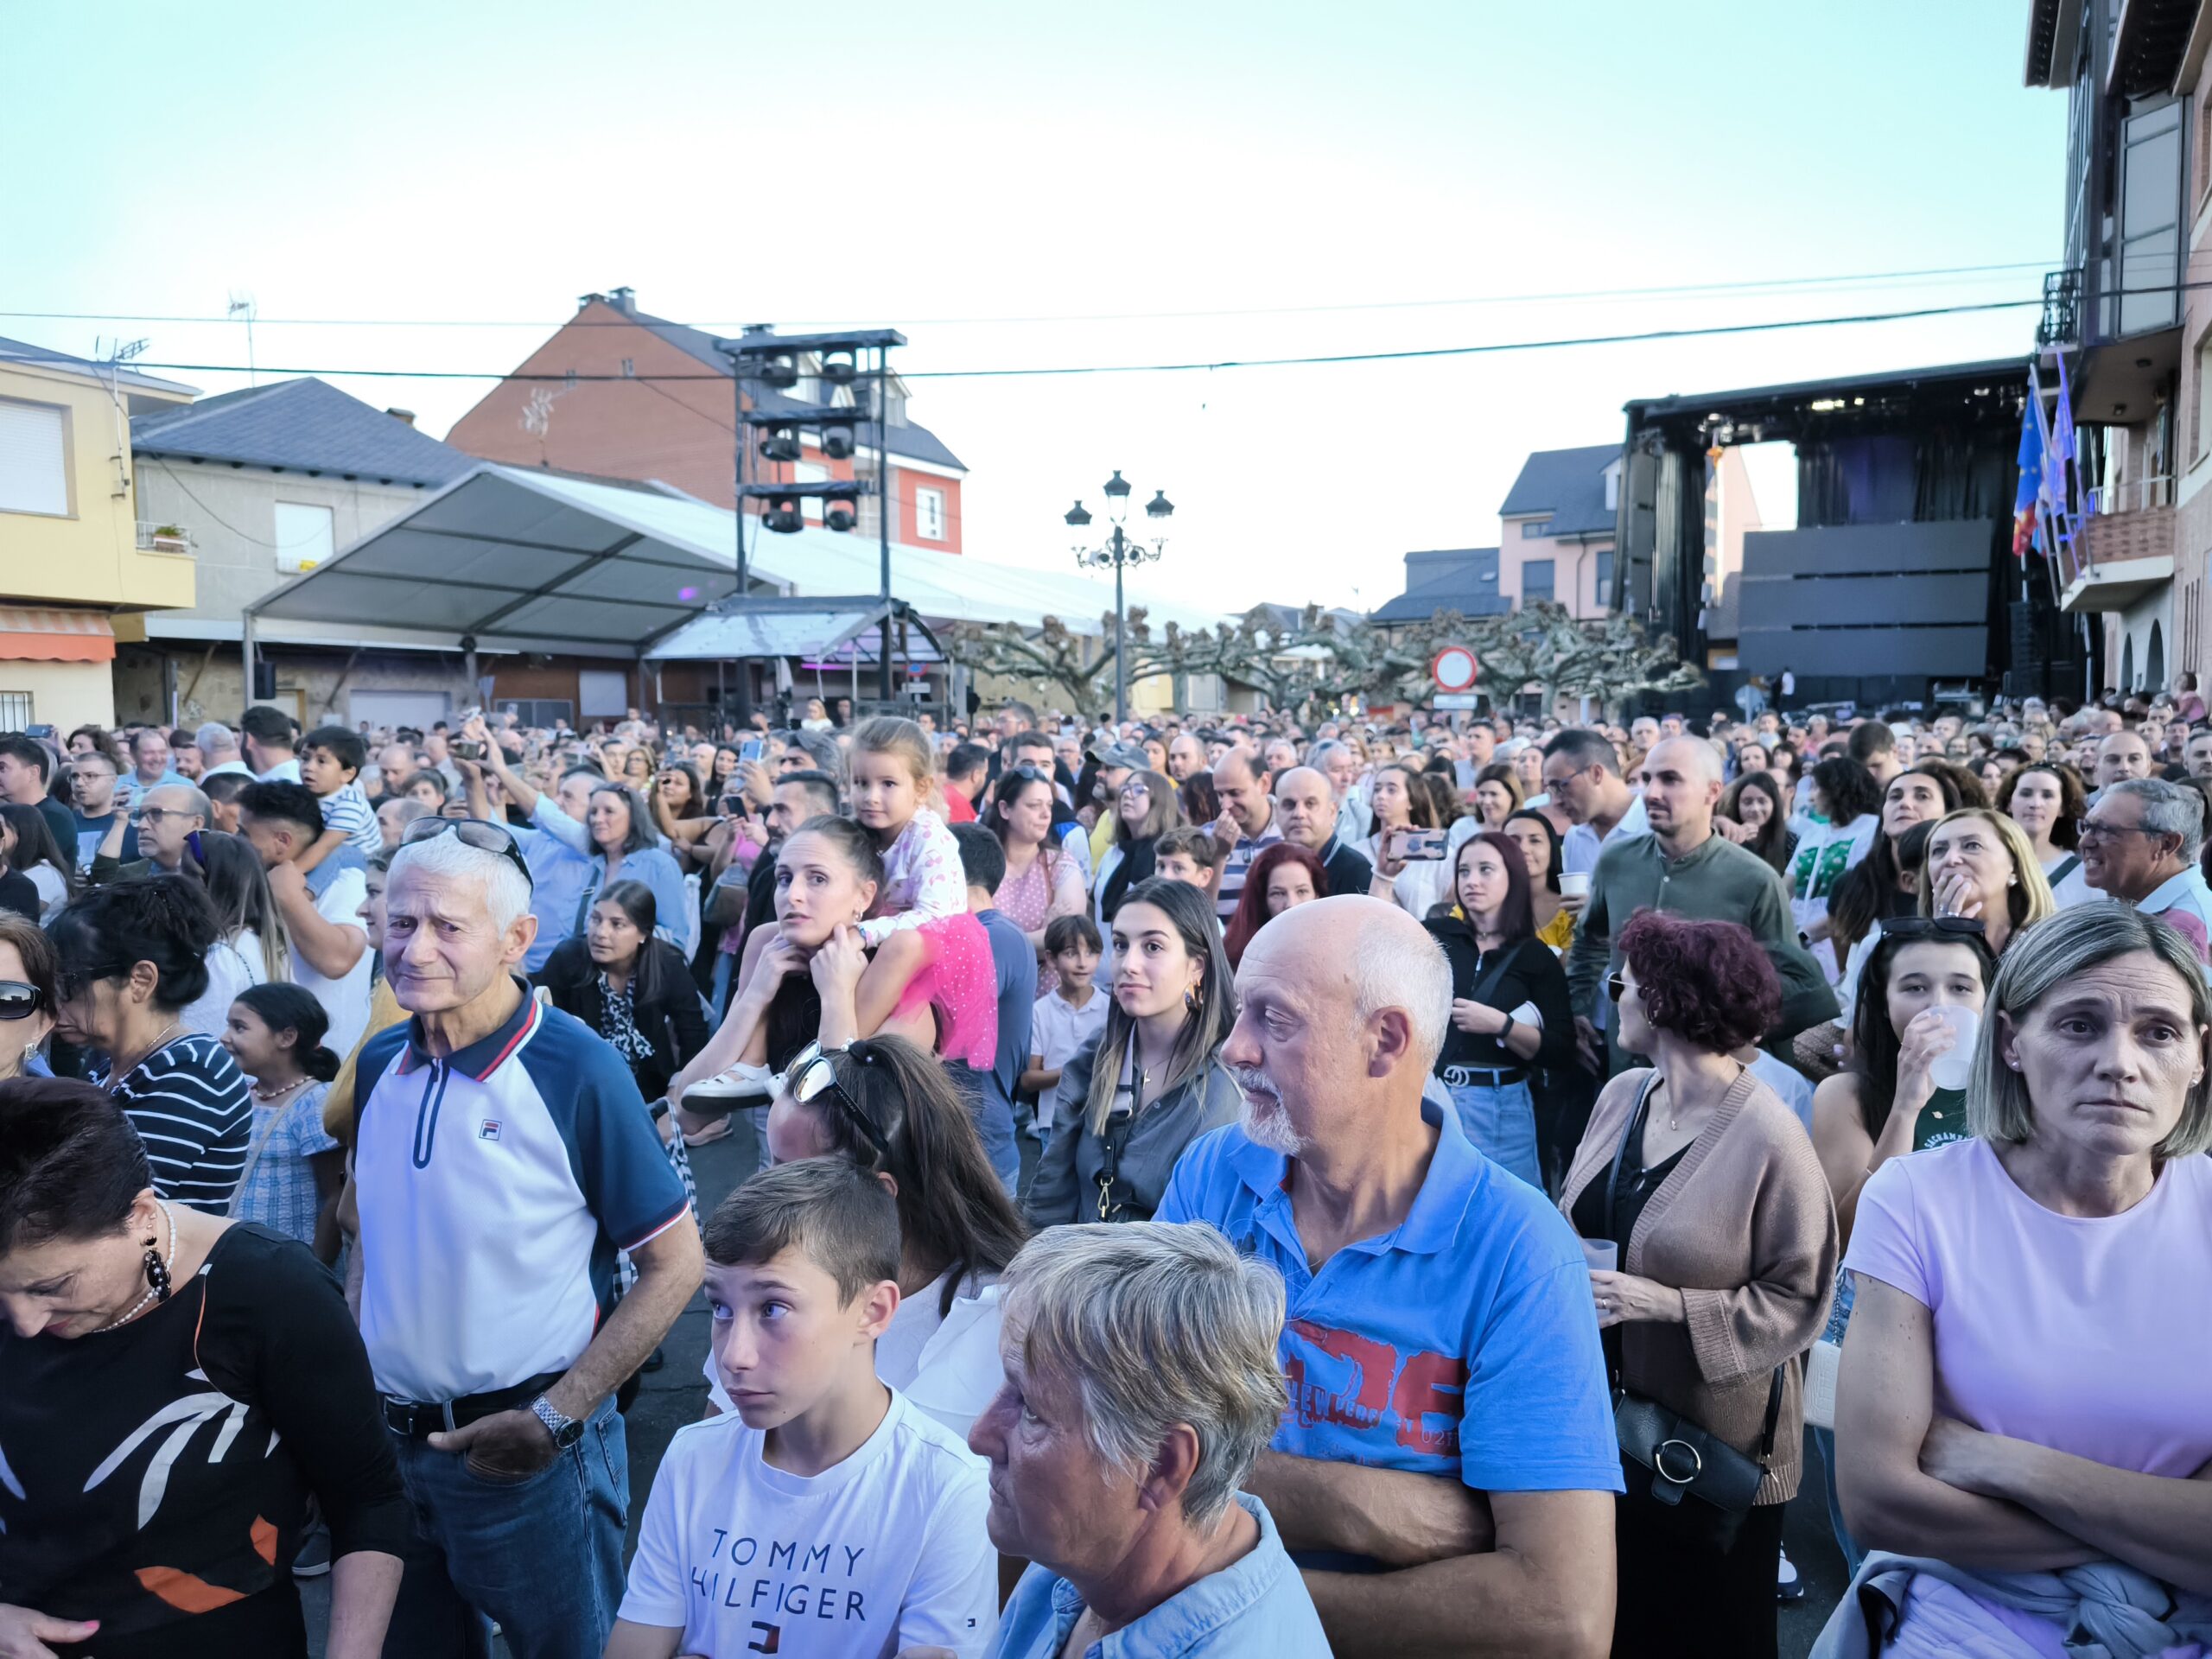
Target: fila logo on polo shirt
<point x="488" y="1129"/>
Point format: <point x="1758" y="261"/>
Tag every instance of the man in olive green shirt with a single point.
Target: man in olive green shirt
<point x="1685" y="868"/>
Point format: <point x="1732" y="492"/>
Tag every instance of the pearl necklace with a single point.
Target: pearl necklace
<point x="266" y="1096"/>
<point x="157" y="1293"/>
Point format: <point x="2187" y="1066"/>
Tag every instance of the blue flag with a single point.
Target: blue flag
<point x="2031" y="491"/>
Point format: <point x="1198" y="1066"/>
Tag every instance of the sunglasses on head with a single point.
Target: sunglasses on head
<point x="814" y="1074"/>
<point x="1933" y="927"/>
<point x="479" y="833"/>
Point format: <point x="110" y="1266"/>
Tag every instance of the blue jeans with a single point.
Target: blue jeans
<point x="542" y="1555"/>
<point x="994" y="1116"/>
<point x="1501" y="1122"/>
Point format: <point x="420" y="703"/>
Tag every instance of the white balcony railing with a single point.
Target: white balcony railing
<point x="164" y="538"/>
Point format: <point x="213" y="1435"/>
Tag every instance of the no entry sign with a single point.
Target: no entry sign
<point x="1453" y="668"/>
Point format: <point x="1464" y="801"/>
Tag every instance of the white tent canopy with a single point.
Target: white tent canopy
<point x="795" y="627"/>
<point x="530" y="561"/>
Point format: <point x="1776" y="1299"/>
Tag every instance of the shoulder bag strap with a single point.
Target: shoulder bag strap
<point x="253" y="1154"/>
<point x="1629" y="1134"/>
<point x="1773" y="1416"/>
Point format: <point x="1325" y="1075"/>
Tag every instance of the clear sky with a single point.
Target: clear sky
<point x="948" y="163"/>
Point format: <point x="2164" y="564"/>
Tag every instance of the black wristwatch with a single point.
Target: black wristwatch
<point x="565" y="1431"/>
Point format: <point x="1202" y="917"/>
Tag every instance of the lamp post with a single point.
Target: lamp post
<point x="1119" y="551"/>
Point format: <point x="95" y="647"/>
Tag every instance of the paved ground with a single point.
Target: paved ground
<point x="677" y="1395"/>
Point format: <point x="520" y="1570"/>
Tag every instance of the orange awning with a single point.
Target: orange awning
<point x="42" y="636"/>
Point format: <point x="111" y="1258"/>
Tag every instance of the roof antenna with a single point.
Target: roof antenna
<point x="245" y="304"/>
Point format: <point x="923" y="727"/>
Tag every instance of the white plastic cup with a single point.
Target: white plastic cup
<point x="1952" y="1070"/>
<point x="1574" y="884"/>
<point x="1603" y="1255"/>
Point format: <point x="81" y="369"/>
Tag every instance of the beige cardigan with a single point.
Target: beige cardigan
<point x="1744" y="1228"/>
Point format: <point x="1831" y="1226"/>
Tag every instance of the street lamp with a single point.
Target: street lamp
<point x="1120" y="549"/>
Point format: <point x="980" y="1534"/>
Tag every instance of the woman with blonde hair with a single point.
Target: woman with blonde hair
<point x="1981" y="867"/>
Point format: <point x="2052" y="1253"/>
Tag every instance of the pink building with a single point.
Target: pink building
<point x="1558" y="520"/>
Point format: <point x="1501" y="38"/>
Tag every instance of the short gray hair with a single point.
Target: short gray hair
<point x="449" y="858"/>
<point x="2168" y="810"/>
<point x="1151" y="1324"/>
<point x="195" y="802"/>
<point x="1390" y="971"/>
<point x="2051" y="954"/>
<point x="821" y="748"/>
<point x="214" y="737"/>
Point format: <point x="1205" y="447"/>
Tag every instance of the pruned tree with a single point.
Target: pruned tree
<point x="1054" y="655"/>
<point x="1541" y="647"/>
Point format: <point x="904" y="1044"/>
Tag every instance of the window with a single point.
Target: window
<point x="16" y="713"/>
<point x="1604" y="576"/>
<point x="629" y="369"/>
<point x="34" y="460"/>
<point x="1613" y="488"/>
<point x="809" y="472"/>
<point x="304" y="537"/>
<point x="1536" y="580"/>
<point x="1535" y="527"/>
<point x="929" y="515"/>
<point x="2204" y="435"/>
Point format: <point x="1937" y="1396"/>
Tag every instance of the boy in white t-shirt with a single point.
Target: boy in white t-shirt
<point x="827" y="1518"/>
<point x="1066" y="1017"/>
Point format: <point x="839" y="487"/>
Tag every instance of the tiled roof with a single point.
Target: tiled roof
<point x="1569" y="485"/>
<point x="306" y="426"/>
<point x="917" y="442"/>
<point x="1447" y="578"/>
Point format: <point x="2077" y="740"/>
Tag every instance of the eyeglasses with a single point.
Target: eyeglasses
<point x="1617" y="986"/>
<point x="69" y="984"/>
<point x="484" y="835"/>
<point x="1933" y="927"/>
<point x="2085" y="828"/>
<point x="19" y="1001"/>
<point x="814" y="1074"/>
<point x="155" y="814"/>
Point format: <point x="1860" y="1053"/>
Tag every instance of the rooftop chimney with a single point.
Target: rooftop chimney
<point x="584" y="300"/>
<point x="404" y="417"/>
<point x="623" y="300"/>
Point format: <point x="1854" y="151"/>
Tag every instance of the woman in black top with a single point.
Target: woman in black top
<point x="631" y="988"/>
<point x="1509" y="1010"/>
<point x="132" y="957"/>
<point x="174" y="1387"/>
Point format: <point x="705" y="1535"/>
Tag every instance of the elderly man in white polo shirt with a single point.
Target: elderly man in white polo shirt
<point x="503" y="1156"/>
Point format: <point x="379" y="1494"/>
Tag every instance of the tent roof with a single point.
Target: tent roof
<point x="788" y="627"/>
<point x="530" y="560"/>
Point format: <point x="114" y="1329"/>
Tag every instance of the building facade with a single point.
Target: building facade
<point x="1558" y="530"/>
<point x="82" y="559"/>
<point x="2128" y="314"/>
<point x="617" y="393"/>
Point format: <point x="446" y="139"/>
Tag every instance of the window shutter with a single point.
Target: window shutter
<point x="34" y="460"/>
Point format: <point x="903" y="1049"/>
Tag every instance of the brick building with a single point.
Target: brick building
<point x="616" y="393"/>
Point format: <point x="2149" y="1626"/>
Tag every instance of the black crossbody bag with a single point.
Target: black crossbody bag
<point x="1688" y="1478"/>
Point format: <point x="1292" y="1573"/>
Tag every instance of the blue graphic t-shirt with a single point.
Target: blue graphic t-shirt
<point x="1463" y="1341"/>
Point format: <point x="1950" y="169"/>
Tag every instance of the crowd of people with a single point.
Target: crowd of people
<point x="1468" y="1155"/>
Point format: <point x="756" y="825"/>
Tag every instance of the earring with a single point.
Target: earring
<point x="1192" y="1001"/>
<point x="157" y="1273"/>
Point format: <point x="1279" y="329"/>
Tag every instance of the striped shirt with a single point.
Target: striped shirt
<point x="190" y="1103"/>
<point x="348" y="811"/>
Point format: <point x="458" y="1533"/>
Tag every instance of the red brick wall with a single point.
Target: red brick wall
<point x="676" y="430"/>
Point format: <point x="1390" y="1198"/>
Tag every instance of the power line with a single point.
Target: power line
<point x="1640" y="337"/>
<point x="1745" y="285"/>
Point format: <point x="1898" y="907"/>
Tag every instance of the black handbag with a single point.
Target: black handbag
<point x="1684" y="1477"/>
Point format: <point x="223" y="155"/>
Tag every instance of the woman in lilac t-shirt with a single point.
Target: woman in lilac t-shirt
<point x="2024" y="1386"/>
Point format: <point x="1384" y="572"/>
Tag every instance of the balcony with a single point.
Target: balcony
<point x="2123" y="547"/>
<point x="164" y="538"/>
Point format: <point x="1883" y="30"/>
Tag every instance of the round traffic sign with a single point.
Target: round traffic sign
<point x="1453" y="669"/>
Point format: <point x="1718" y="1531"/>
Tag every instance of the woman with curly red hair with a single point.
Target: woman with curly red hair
<point x="1702" y="1186"/>
<point x="1282" y="875"/>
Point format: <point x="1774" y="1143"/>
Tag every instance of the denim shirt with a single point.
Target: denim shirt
<point x="1256" y="1606"/>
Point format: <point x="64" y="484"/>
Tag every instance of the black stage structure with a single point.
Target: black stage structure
<point x="1899" y="582"/>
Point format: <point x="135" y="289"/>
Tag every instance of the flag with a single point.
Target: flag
<point x="2031" y="489"/>
<point x="2063" y="446"/>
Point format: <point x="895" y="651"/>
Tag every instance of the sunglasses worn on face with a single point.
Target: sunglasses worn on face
<point x="1617" y="986"/>
<point x="484" y="835"/>
<point x="814" y="1074"/>
<point x="19" y="1001"/>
